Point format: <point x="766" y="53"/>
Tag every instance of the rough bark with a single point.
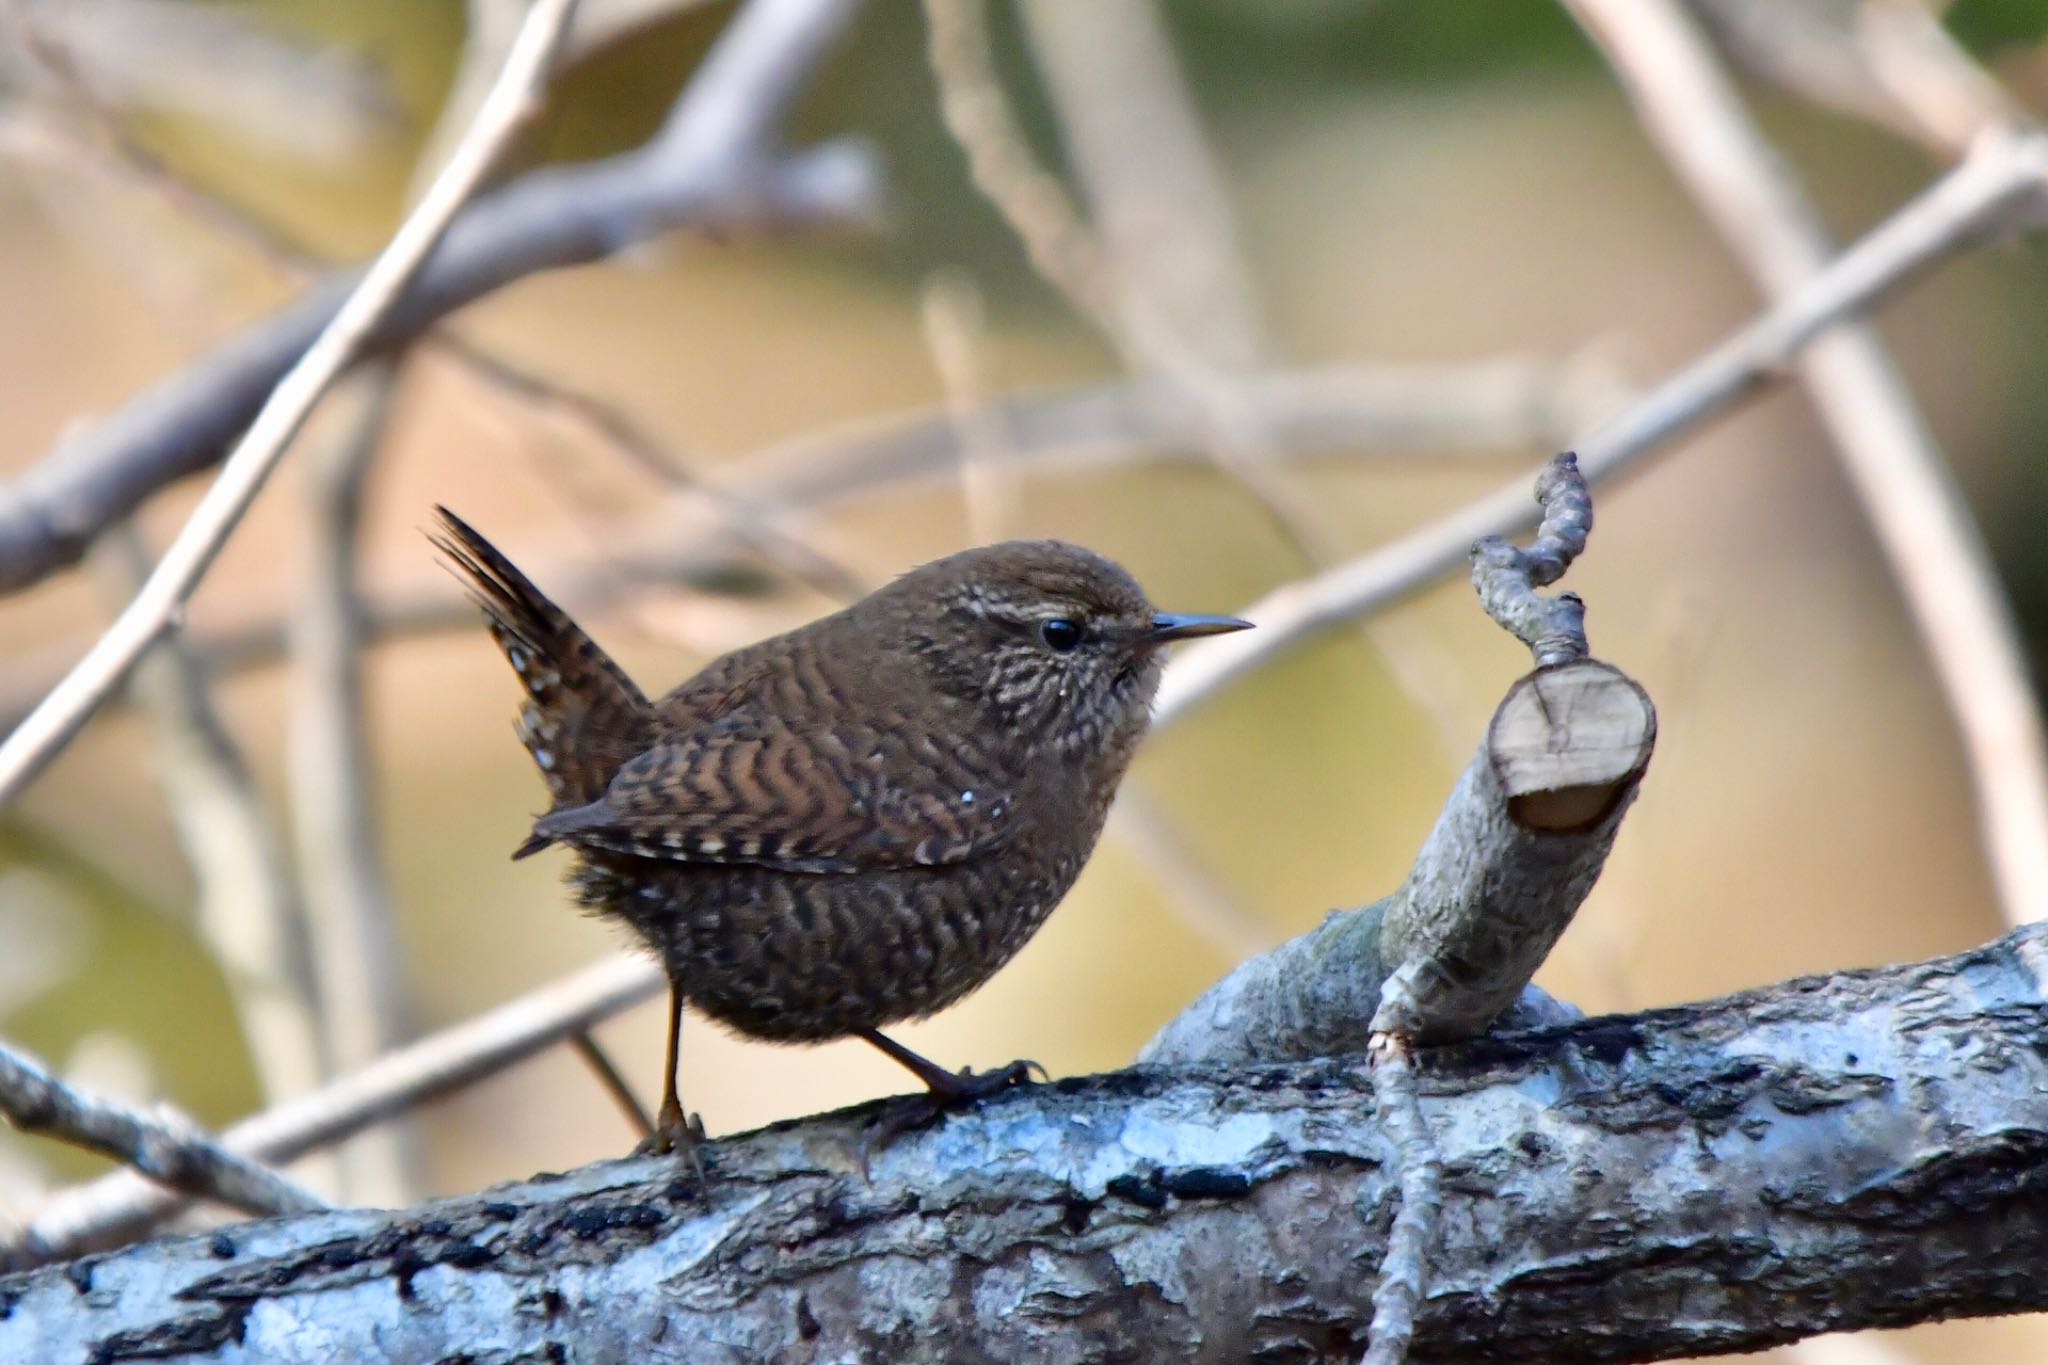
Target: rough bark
<point x="1832" y="1153"/>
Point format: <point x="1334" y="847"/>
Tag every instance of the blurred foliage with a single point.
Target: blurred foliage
<point x="1987" y="26"/>
<point x="1313" y="48"/>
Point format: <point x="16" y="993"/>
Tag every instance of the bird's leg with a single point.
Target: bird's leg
<point x="953" y="1087"/>
<point x="673" y="1129"/>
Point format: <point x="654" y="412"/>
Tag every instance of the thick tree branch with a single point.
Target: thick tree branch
<point x="1831" y="1153"/>
<point x="122" y="1204"/>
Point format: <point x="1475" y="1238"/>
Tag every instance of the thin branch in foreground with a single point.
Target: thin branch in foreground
<point x="615" y="1085"/>
<point x="1404" y="1265"/>
<point x="169" y="1151"/>
<point x="1894" y="463"/>
<point x="120" y="1206"/>
<point x="156" y="607"/>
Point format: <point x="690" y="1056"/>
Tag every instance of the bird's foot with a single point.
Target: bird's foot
<point x="945" y="1091"/>
<point x="954" y="1088"/>
<point x="675" y="1131"/>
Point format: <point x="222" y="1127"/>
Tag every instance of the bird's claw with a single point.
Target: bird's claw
<point x="674" y="1132"/>
<point x="947" y="1090"/>
<point x="967" y="1085"/>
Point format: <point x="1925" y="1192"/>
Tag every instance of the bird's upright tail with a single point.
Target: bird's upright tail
<point x="583" y="717"/>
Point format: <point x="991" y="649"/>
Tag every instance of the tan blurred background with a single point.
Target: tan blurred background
<point x="1414" y="183"/>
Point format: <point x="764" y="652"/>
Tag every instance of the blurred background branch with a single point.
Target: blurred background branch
<point x="342" y="881"/>
<point x="713" y="164"/>
<point x="1891" y="457"/>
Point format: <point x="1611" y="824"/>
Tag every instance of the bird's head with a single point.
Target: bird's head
<point x="1058" y="643"/>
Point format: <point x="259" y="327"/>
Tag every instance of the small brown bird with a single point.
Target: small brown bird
<point x="859" y="821"/>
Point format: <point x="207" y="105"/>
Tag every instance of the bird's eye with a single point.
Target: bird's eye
<point x="1060" y="635"/>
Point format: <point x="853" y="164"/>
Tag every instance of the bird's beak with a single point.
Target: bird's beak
<point x="1167" y="627"/>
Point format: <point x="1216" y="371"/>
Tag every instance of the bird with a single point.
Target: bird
<point x="854" y="823"/>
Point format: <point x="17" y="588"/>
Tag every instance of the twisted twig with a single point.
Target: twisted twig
<point x="1506" y="578"/>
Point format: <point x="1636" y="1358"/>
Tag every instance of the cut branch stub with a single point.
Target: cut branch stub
<point x="1518" y="846"/>
<point x="1568" y="742"/>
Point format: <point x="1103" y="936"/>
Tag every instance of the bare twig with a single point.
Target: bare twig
<point x="170" y="1151"/>
<point x="2002" y="178"/>
<point x="1893" y="461"/>
<point x="121" y="1205"/>
<point x="499" y="375"/>
<point x="614" y="1084"/>
<point x="488" y="35"/>
<point x="1919" y="63"/>
<point x="120" y="152"/>
<point x="51" y="725"/>
<point x="334" y="812"/>
<point x="1492" y="405"/>
<point x="1404" y="1266"/>
<point x="1000" y="161"/>
<point x="1506" y="578"/>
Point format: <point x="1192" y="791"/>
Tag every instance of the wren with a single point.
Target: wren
<point x="854" y="823"/>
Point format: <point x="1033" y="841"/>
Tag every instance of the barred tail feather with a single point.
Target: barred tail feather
<point x="583" y="717"/>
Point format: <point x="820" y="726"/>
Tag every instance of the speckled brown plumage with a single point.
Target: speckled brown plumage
<point x="857" y="822"/>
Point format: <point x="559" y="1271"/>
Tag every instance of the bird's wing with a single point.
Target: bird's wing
<point x="846" y="798"/>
